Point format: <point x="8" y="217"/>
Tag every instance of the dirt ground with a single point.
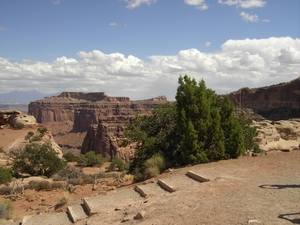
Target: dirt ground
<point x="250" y="190"/>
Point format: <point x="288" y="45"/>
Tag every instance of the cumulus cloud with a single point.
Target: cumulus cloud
<point x="200" y="4"/>
<point x="249" y="18"/>
<point x="131" y="4"/>
<point x="2" y="28"/>
<point x="207" y="44"/>
<point x="239" y="63"/>
<point x="112" y="24"/>
<point x="243" y="3"/>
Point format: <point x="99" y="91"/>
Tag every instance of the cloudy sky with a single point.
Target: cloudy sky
<point x="139" y="48"/>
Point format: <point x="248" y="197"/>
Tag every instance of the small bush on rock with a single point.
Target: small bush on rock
<point x="6" y="209"/>
<point x="5" y="175"/>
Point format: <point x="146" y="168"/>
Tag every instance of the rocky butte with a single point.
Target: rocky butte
<point x="91" y="121"/>
<point x="276" y="102"/>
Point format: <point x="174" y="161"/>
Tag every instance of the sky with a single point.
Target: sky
<point x="139" y="48"/>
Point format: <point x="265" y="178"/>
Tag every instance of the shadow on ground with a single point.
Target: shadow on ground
<point x="291" y="217"/>
<point x="279" y="186"/>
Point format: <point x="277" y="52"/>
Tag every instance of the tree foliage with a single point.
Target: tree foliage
<point x="152" y="135"/>
<point x="5" y="175"/>
<point x="199" y="127"/>
<point x="38" y="159"/>
<point x="91" y="159"/>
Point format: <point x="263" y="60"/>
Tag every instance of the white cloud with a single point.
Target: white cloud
<point x="131" y="4"/>
<point x="249" y="18"/>
<point x="2" y="28"/>
<point x="207" y="44"/>
<point x="266" y="21"/>
<point x="239" y="63"/>
<point x="55" y="2"/>
<point x="112" y="24"/>
<point x="200" y="4"/>
<point x="244" y="3"/>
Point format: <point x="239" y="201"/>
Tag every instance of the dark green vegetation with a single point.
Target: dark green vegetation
<point x="198" y="128"/>
<point x="37" y="159"/>
<point x="38" y="137"/>
<point x="5" y="175"/>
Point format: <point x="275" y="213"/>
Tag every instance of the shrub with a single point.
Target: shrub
<point x="5" y="175"/>
<point x="70" y="157"/>
<point x="35" y="138"/>
<point x="5" y="190"/>
<point x="6" y="209"/>
<point x="87" y="180"/>
<point x="117" y="164"/>
<point x="1" y="150"/>
<point x="70" y="172"/>
<point x="32" y="184"/>
<point x="18" y="126"/>
<point x="57" y="185"/>
<point x="91" y="159"/>
<point x="38" y="160"/>
<point x="42" y="130"/>
<point x="74" y="181"/>
<point x="152" y="167"/>
<point x="43" y="185"/>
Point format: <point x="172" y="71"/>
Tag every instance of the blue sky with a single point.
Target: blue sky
<point x="139" y="48"/>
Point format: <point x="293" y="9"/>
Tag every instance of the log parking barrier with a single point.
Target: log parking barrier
<point x="165" y="186"/>
<point x="196" y="176"/>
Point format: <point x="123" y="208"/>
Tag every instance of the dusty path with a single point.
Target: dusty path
<point x="249" y="190"/>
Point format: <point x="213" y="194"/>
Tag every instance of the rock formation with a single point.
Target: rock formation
<point x="102" y="117"/>
<point x="281" y="101"/>
<point x="12" y="117"/>
<point x="276" y="135"/>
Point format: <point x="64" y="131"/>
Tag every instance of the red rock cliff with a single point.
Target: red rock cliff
<point x="280" y="101"/>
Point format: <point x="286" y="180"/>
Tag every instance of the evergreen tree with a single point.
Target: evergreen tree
<point x="234" y="137"/>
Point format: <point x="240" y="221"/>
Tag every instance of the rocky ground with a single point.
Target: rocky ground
<point x="250" y="190"/>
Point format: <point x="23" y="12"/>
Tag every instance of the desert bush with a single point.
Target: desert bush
<point x="87" y="180"/>
<point x="91" y="159"/>
<point x="70" y="157"/>
<point x="32" y="184"/>
<point x="57" y="185"/>
<point x="101" y="174"/>
<point x="35" y="138"/>
<point x="74" y="181"/>
<point x="5" y="175"/>
<point x="43" y="185"/>
<point x="117" y="164"/>
<point x="70" y="172"/>
<point x="42" y="130"/>
<point x="1" y="150"/>
<point x="152" y="167"/>
<point x="18" y="126"/>
<point x="38" y="160"/>
<point x="61" y="203"/>
<point x="5" y="190"/>
<point x="6" y="209"/>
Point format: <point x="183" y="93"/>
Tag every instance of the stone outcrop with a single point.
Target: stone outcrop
<point x="102" y="117"/>
<point x="12" y="117"/>
<point x="281" y="101"/>
<point x="276" y="135"/>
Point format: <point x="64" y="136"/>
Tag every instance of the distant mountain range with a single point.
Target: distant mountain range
<point x="22" y="97"/>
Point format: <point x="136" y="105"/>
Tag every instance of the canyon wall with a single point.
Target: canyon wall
<point x="90" y="121"/>
<point x="276" y="102"/>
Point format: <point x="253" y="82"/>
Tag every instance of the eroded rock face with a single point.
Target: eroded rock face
<point x="12" y="117"/>
<point x="275" y="102"/>
<point x="276" y="135"/>
<point x="101" y="116"/>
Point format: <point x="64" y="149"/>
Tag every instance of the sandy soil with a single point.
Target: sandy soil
<point x="249" y="190"/>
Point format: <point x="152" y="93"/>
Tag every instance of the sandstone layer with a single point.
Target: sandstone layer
<point x="276" y="102"/>
<point x="103" y="117"/>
